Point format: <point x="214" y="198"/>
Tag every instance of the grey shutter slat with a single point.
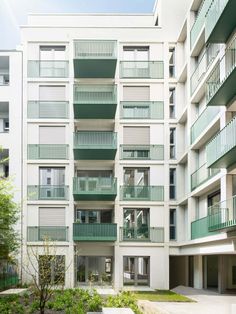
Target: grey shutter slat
<point x="52" y="216"/>
<point x="52" y="135"/>
<point x="136" y="93"/>
<point x="136" y="135"/>
<point x="52" y="93"/>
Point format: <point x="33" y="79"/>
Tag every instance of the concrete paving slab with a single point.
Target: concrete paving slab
<point x="13" y="291"/>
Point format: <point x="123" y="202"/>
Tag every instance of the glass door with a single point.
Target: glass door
<point x="136" y="270"/>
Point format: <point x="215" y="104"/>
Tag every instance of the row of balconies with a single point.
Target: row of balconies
<point x="96" y="232"/>
<point x="221" y="217"/>
<point x="97" y="188"/>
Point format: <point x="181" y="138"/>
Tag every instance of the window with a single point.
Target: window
<point x="4" y="70"/>
<point x="52" y="135"/>
<point x="94" y="216"/>
<point x="136" y="270"/>
<point x="51" y="53"/>
<point x="136" y="176"/>
<point x="172" y="103"/>
<point x="52" y="216"/>
<point x="136" y="53"/>
<point x="56" y="176"/>
<point x="172" y="143"/>
<point x="136" y="223"/>
<point x="52" y="269"/>
<point x="172" y="224"/>
<point x="136" y="93"/>
<point x="172" y="62"/>
<point x="172" y="183"/>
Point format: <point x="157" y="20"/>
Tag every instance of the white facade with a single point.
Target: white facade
<point x="170" y="251"/>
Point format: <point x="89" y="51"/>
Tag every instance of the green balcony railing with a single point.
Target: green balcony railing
<point x="95" y="101"/>
<point x="8" y="280"/>
<point x="95" y="58"/>
<point x="203" y="65"/>
<point x="95" y="49"/>
<point x="48" y="151"/>
<point x="199" y="229"/>
<point x="95" y="140"/>
<point x="200" y="21"/>
<point x="95" y="232"/>
<point x="54" y="233"/>
<point x="142" y="152"/>
<point x="220" y="20"/>
<point x="220" y="150"/>
<point x="47" y="192"/>
<point x="203" y="121"/>
<point x="142" y="193"/>
<point x="142" y="110"/>
<point x="45" y="68"/>
<point x="48" y="110"/>
<point x="201" y="175"/>
<point x="222" y="216"/>
<point x="142" y="234"/>
<point x="142" y="69"/>
<point x="221" y="82"/>
<point x="94" y="188"/>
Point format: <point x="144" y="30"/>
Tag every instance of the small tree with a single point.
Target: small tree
<point x="9" y="215"/>
<point x="47" y="270"/>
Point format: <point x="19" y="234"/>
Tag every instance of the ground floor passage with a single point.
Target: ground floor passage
<point x="213" y="272"/>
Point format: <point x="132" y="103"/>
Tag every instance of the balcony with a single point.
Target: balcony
<point x="220" y="21"/>
<point x="47" y="192"/>
<point x="142" y="110"/>
<point x="95" y="101"/>
<point x="222" y="216"/>
<point x="48" y="151"/>
<point x="142" y="69"/>
<point x="203" y="65"/>
<point x="142" y="152"/>
<point x="142" y="234"/>
<point x="95" y="58"/>
<point x="199" y="22"/>
<point x="221" y="150"/>
<point x="221" y="82"/>
<point x="96" y="232"/>
<point x="203" y="121"/>
<point x="57" y="233"/>
<point x="95" y="145"/>
<point x="94" y="188"/>
<point x="142" y="193"/>
<point x="48" y="110"/>
<point x="47" y="69"/>
<point x="201" y="175"/>
<point x="199" y="229"/>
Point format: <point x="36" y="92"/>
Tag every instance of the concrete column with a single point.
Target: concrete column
<point x="198" y="272"/>
<point x="118" y="264"/>
<point x="222" y="274"/>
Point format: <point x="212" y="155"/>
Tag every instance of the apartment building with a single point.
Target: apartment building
<point x="128" y="144"/>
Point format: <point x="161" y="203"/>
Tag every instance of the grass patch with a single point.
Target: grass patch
<point x="161" y="296"/>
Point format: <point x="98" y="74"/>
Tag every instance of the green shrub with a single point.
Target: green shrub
<point x="123" y="299"/>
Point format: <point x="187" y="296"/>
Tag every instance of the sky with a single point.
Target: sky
<point x="13" y="13"/>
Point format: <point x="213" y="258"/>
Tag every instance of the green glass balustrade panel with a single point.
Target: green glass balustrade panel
<point x="43" y="68"/>
<point x="203" y="121"/>
<point x="220" y="85"/>
<point x="142" y="110"/>
<point x="202" y="175"/>
<point x="222" y="216"/>
<point x="94" y="188"/>
<point x="49" y="233"/>
<point x="95" y="58"/>
<point x="96" y="232"/>
<point x="199" y="229"/>
<point x="142" y="234"/>
<point x="48" y="109"/>
<point x="142" y="69"/>
<point x="220" y="21"/>
<point x="221" y="150"/>
<point x="47" y="192"/>
<point x="142" y="152"/>
<point x="48" y="151"/>
<point x="95" y="145"/>
<point x="142" y="193"/>
<point x="199" y="22"/>
<point x="95" y="101"/>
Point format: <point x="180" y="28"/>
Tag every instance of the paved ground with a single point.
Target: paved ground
<point x="208" y="302"/>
